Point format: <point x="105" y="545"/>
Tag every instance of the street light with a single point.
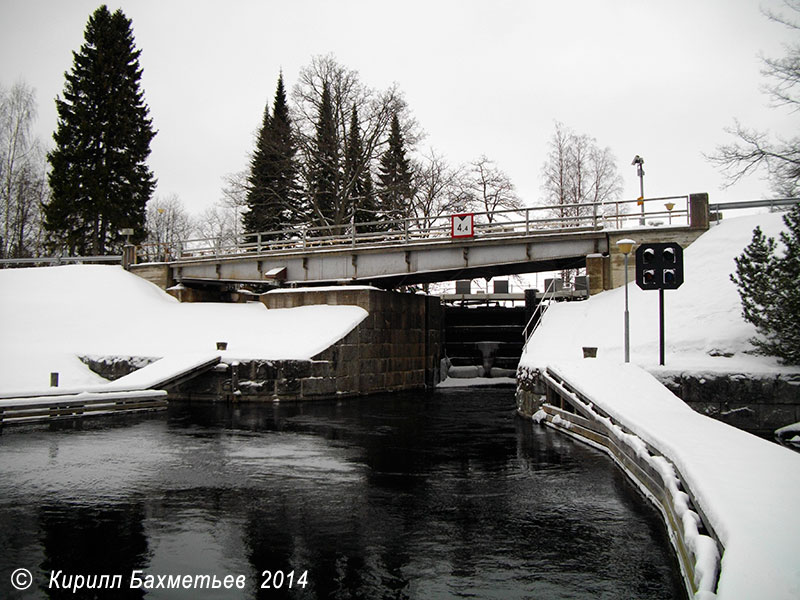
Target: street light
<point x="638" y="162"/>
<point x="625" y="246"/>
<point x="670" y="206"/>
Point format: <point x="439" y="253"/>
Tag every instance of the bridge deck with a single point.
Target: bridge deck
<point x="722" y="491"/>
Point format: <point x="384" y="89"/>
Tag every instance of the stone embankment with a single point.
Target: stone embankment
<point x="398" y="346"/>
<point x="758" y="404"/>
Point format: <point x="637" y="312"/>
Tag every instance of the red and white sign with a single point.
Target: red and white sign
<point x="462" y="226"/>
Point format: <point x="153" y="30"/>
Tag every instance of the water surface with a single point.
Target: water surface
<point x="445" y="495"/>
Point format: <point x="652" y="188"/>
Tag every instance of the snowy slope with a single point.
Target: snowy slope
<point x="703" y="317"/>
<point x="49" y="316"/>
<point x="746" y="486"/>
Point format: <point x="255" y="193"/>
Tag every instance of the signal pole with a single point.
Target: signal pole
<point x="638" y="162"/>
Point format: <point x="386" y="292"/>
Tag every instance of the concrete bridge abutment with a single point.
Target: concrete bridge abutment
<point x="607" y="271"/>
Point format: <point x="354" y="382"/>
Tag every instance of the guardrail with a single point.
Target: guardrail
<point x="60" y="260"/>
<point x="774" y="203"/>
<point x="570" y="411"/>
<point x="526" y="221"/>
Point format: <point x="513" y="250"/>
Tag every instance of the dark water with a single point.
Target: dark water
<point x="403" y="496"/>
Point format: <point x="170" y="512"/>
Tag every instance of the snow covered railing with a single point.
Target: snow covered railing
<point x="698" y="552"/>
<point x="727" y="497"/>
<point x="67" y="406"/>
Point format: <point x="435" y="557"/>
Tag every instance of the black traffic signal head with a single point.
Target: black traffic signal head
<point x="659" y="266"/>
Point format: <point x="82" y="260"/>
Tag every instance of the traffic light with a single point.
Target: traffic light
<point x="659" y="266"/>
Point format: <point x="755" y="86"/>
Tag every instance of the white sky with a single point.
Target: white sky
<point x="659" y="79"/>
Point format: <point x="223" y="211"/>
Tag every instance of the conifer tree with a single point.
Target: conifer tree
<point x="358" y="177"/>
<point x="752" y="273"/>
<point x="395" y="178"/>
<point x="99" y="179"/>
<point x="767" y="285"/>
<point x="324" y="176"/>
<point x="272" y="183"/>
<point x="258" y="180"/>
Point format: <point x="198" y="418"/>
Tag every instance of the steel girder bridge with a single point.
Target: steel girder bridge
<point x="389" y="254"/>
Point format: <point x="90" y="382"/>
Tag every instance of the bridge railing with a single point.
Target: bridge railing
<point x="499" y="223"/>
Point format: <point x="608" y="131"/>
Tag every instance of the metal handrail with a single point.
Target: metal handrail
<point x="718" y="206"/>
<point x="58" y="260"/>
<point x="541" y="308"/>
<point x="509" y="222"/>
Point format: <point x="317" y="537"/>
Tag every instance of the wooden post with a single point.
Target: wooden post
<point x="53" y="379"/>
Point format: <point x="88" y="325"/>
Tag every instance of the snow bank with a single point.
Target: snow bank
<point x="50" y="316"/>
<point x="746" y="487"/>
<point x="705" y="331"/>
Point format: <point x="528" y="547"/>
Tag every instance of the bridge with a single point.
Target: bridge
<point x="389" y="254"/>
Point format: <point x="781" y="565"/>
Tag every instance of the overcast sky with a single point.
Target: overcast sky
<point x="657" y="78"/>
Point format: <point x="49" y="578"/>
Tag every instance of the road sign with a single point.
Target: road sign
<point x="462" y="225"/>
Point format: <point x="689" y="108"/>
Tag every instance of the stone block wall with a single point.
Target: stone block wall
<point x="396" y="347"/>
<point x="758" y="404"/>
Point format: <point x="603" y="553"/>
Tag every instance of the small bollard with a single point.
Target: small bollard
<point x="589" y="352"/>
<point x="222" y="345"/>
<point x="53" y="379"/>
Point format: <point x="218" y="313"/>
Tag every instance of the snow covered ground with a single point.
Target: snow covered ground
<point x="51" y="316"/>
<point x="746" y="486"/>
<point x="704" y="330"/>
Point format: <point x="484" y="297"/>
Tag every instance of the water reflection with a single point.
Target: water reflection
<point x="402" y="496"/>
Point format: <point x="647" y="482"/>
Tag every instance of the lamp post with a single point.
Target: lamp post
<point x="625" y="246"/>
<point x="670" y="206"/>
<point x="638" y="162"/>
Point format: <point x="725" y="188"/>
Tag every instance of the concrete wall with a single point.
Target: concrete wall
<point x="157" y="273"/>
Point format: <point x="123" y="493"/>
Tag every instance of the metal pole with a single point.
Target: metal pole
<point x="627" y="317"/>
<point x="641" y="189"/>
<point x="661" y="326"/>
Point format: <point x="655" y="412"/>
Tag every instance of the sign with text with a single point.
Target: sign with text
<point x="462" y="225"/>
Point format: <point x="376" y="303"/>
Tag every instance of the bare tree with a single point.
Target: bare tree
<point x="491" y="188"/>
<point x="23" y="185"/>
<point x="756" y="150"/>
<point x="167" y="224"/>
<point x="375" y="110"/>
<point x="439" y="189"/>
<point x="220" y="222"/>
<point x="579" y="177"/>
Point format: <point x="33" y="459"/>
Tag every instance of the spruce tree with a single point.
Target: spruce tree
<point x="395" y="179"/>
<point x="753" y="269"/>
<point x="324" y="176"/>
<point x="256" y="218"/>
<point x="272" y="194"/>
<point x="99" y="178"/>
<point x="767" y="285"/>
<point x="358" y="178"/>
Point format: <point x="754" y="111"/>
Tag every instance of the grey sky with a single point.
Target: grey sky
<point x="659" y="79"/>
